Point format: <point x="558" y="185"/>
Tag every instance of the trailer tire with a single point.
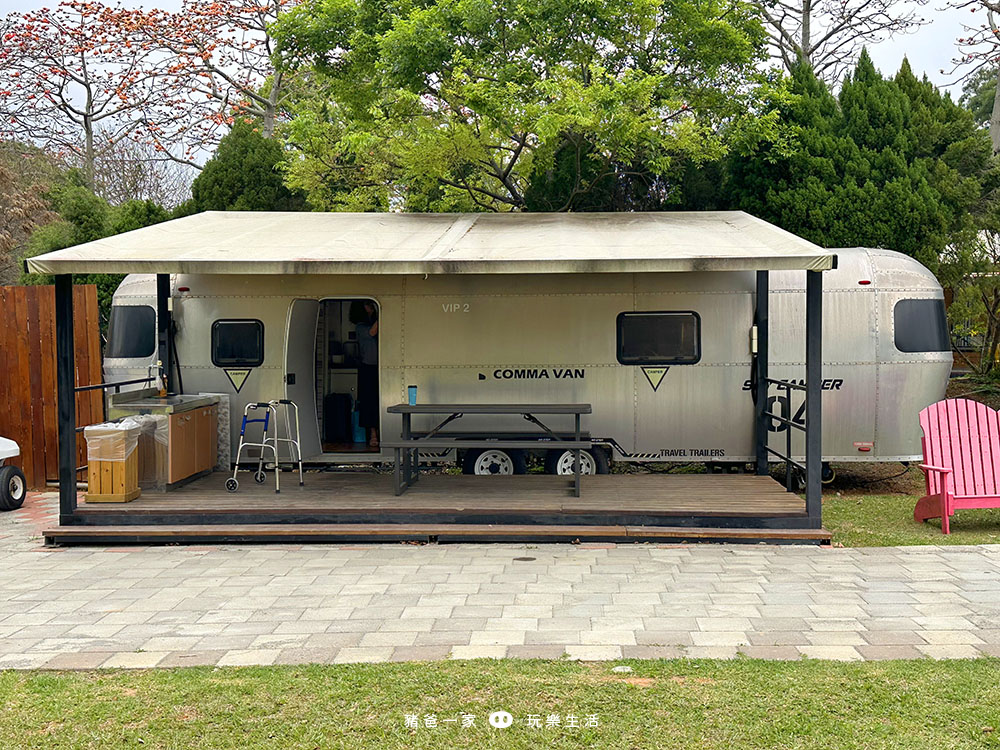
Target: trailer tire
<point x="595" y="461"/>
<point x="494" y="461"/>
<point x="13" y="488"/>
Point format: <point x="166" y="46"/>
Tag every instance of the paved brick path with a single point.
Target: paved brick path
<point x="146" y="607"/>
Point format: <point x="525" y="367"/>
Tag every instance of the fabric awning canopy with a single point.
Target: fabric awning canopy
<point x="235" y="242"/>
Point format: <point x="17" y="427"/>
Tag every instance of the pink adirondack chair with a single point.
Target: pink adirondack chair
<point x="961" y="445"/>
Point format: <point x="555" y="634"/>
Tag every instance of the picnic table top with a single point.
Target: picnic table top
<point x="490" y="409"/>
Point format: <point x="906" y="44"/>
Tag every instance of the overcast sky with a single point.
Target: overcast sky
<point x="930" y="49"/>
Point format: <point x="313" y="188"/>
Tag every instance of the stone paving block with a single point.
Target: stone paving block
<point x="387" y="638"/>
<point x="725" y="624"/>
<point x="134" y="660"/>
<point x="420" y="653"/>
<point x="511" y="623"/>
<point x="949" y="652"/>
<point x="78" y="660"/>
<point x="357" y="655"/>
<point x="552" y="637"/>
<point x="889" y="651"/>
<point x="832" y="653"/>
<point x="720" y="638"/>
<point x="649" y="651"/>
<point x="893" y="638"/>
<point x="249" y="657"/>
<point x="950" y="637"/>
<point x="497" y="638"/>
<point x="608" y="637"/>
<point x="593" y="653"/>
<point x="833" y="625"/>
<point x="170" y="643"/>
<point x="663" y="638"/>
<point x="330" y="640"/>
<point x="191" y="659"/>
<point x="306" y="627"/>
<point x="712" y="652"/>
<point x="224" y="643"/>
<point x="944" y="623"/>
<point x="889" y="623"/>
<point x="35" y="660"/>
<point x="276" y="640"/>
<point x="479" y="652"/>
<point x="535" y="651"/>
<point x="835" y="638"/>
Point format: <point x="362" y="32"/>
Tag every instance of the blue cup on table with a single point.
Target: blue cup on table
<point x="411" y="394"/>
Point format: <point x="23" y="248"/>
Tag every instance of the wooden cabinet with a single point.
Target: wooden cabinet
<point x="192" y="445"/>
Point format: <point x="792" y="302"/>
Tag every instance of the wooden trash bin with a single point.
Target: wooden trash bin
<point x="112" y="463"/>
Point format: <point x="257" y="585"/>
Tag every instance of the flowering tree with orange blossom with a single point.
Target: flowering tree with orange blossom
<point x="78" y="79"/>
<point x="218" y="55"/>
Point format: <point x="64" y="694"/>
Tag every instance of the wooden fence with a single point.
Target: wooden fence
<point x="28" y="374"/>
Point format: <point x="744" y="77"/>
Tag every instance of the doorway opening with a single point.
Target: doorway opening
<point x="347" y="375"/>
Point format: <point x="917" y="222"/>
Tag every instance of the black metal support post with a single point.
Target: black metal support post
<point x="814" y="395"/>
<point x="164" y="353"/>
<point x="760" y="406"/>
<point x="66" y="397"/>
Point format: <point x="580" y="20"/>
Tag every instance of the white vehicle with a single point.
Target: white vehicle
<point x="13" y="488"/>
<point x="536" y="337"/>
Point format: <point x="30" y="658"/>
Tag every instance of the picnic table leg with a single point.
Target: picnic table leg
<point x="576" y="480"/>
<point x="406" y="451"/>
<point x="396" y="472"/>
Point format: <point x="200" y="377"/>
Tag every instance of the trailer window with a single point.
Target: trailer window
<point x="131" y="332"/>
<point x="659" y="338"/>
<point x="921" y="325"/>
<point x="237" y="343"/>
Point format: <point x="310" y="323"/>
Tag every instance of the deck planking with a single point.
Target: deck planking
<point x="332" y="493"/>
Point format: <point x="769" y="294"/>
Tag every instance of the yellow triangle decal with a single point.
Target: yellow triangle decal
<point x="237" y="377"/>
<point x="655" y="375"/>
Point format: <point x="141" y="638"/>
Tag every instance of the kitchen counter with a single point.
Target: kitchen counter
<point x="149" y="402"/>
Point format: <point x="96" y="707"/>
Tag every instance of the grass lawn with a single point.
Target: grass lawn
<point x="662" y="704"/>
<point x="887" y="520"/>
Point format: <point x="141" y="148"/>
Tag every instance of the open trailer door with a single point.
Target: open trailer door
<point x="300" y="370"/>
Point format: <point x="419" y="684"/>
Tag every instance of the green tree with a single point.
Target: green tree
<point x="978" y="93"/>
<point x="889" y="163"/>
<point x="82" y="217"/>
<point x="243" y="175"/>
<point x="454" y="105"/>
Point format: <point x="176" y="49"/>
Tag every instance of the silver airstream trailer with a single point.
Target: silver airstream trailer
<point x="666" y="359"/>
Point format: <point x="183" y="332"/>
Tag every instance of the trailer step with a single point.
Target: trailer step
<point x="287" y="533"/>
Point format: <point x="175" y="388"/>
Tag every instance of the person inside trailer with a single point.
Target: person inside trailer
<point x="365" y="317"/>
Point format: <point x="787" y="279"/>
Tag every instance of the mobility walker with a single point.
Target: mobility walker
<point x="268" y="441"/>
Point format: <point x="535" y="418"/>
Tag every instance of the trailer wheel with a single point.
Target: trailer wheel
<point x="13" y="488"/>
<point x="591" y="462"/>
<point x="494" y="461"/>
<point x="829" y="473"/>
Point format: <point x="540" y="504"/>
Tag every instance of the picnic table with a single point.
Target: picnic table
<point x="405" y="450"/>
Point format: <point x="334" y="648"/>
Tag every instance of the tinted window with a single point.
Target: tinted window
<point x="921" y="326"/>
<point x="237" y="343"/>
<point x="659" y="338"/>
<point x="131" y="332"/>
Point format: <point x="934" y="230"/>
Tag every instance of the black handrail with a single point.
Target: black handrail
<point x="788" y="386"/>
<point x="783" y="420"/>
<point x="116" y="385"/>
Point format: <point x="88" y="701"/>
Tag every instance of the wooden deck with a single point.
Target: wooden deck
<point x="358" y="505"/>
